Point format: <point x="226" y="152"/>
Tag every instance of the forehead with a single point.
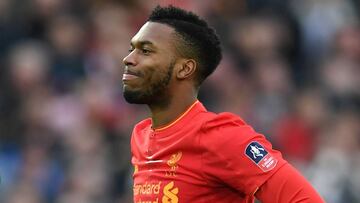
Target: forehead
<point x="159" y="35"/>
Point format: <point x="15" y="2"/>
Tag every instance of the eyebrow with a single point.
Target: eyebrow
<point x="142" y="43"/>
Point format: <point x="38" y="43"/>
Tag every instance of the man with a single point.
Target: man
<point x="184" y="153"/>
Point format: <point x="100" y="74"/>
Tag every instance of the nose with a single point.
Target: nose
<point x="130" y="59"/>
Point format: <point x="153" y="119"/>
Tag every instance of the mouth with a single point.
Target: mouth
<point x="128" y="75"/>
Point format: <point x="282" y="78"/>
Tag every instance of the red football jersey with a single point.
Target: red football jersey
<point x="200" y="157"/>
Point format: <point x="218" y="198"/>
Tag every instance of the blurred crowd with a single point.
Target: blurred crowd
<point x="291" y="69"/>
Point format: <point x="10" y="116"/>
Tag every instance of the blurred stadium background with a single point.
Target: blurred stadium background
<point x="291" y="69"/>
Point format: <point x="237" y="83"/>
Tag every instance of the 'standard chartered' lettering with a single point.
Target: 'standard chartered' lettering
<point x="146" y="189"/>
<point x="148" y="201"/>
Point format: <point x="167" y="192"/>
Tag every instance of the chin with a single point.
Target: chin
<point x="148" y="97"/>
<point x="133" y="97"/>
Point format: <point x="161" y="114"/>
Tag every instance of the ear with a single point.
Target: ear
<point x="187" y="68"/>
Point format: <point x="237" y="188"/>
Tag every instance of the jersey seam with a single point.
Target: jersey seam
<point x="221" y="158"/>
<point x="202" y="153"/>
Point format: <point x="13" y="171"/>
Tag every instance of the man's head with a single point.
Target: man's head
<point x="173" y="47"/>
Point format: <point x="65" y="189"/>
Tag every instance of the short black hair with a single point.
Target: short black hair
<point x="197" y="40"/>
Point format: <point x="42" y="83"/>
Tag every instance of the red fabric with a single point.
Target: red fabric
<point x="203" y="157"/>
<point x="287" y="185"/>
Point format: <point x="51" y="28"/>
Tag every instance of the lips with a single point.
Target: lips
<point x="129" y="75"/>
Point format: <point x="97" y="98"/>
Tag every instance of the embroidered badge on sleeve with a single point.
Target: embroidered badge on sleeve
<point x="260" y="156"/>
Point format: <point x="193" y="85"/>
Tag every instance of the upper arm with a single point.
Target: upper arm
<point x="287" y="185"/>
<point x="238" y="156"/>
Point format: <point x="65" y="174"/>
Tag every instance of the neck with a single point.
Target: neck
<point x="163" y="115"/>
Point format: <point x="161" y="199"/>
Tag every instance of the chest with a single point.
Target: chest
<point x="171" y="170"/>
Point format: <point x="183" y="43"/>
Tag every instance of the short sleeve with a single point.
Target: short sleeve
<point x="235" y="155"/>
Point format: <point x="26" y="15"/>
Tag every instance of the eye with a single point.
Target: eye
<point x="145" y="51"/>
<point x="131" y="49"/>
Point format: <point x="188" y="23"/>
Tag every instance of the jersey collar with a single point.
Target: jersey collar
<point x="191" y="110"/>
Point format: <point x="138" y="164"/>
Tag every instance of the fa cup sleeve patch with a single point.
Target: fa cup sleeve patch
<point x="260" y="156"/>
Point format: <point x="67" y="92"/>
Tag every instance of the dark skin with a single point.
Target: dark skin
<point x="156" y="75"/>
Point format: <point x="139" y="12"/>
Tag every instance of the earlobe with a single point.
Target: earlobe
<point x="187" y="69"/>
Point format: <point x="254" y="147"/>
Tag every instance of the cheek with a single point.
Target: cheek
<point x="154" y="70"/>
<point x="154" y="74"/>
<point x="149" y="78"/>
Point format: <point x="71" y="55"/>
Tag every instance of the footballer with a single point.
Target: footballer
<point x="183" y="152"/>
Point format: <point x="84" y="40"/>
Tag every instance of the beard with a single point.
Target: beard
<point x="156" y="93"/>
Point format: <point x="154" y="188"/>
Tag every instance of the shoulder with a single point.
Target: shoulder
<point x="227" y="129"/>
<point x="223" y="122"/>
<point x="230" y="142"/>
<point x="142" y="125"/>
<point x="223" y="119"/>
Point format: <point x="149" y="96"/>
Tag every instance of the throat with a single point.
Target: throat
<point x="163" y="117"/>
